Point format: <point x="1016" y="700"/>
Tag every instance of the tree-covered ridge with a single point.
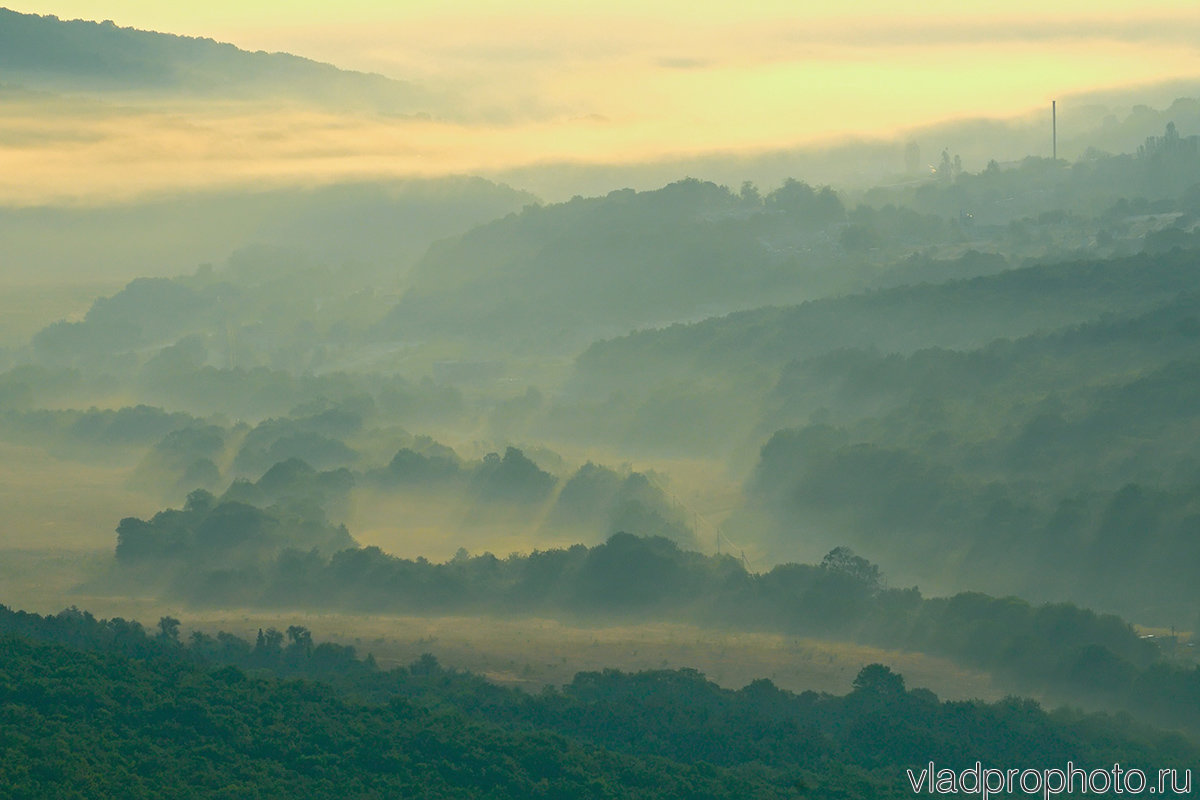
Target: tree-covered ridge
<point x="257" y="311"/>
<point x="310" y="459"/>
<point x="95" y="428"/>
<point x="1059" y="649"/>
<point x="1160" y="173"/>
<point x="46" y="52"/>
<point x="1030" y="432"/>
<point x="368" y="232"/>
<point x="695" y="249"/>
<point x="587" y="504"/>
<point x="961" y="314"/>
<point x="718" y="385"/>
<point x="211" y="535"/>
<point x="592" y="501"/>
<point x="1024" y="464"/>
<point x="93" y="724"/>
<point x="554" y="277"/>
<point x="108" y="686"/>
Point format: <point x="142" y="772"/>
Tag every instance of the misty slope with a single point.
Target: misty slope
<point x="952" y="314"/>
<point x="555" y="277"/>
<point x="1058" y="465"/>
<point x="1032" y="431"/>
<point x="52" y="54"/>
<point x="708" y="385"/>
<point x="1060" y="649"/>
<point x="552" y="278"/>
<point x="1162" y="164"/>
<point x="387" y="224"/>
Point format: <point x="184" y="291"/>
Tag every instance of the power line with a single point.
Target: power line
<point x="718" y="531"/>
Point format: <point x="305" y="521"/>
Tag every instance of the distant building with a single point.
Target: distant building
<point x="1170" y="145"/>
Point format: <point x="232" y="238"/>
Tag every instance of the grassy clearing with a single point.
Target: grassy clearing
<point x="531" y="653"/>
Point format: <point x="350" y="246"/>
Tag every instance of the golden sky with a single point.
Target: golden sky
<point x="623" y="81"/>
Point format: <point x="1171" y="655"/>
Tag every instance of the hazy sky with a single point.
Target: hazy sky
<point x="622" y="80"/>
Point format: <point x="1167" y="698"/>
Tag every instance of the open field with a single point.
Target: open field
<point x="531" y="653"/>
<point x="528" y="653"/>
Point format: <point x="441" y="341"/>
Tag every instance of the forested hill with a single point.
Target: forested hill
<point x="107" y="709"/>
<point x="1059" y="650"/>
<point x="956" y="314"/>
<point x="555" y="277"/>
<point x="101" y="725"/>
<point x="725" y="385"/>
<point x="44" y="52"/>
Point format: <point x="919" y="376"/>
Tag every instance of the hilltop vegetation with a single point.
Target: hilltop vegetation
<point x="446" y="397"/>
<point x="117" y="727"/>
<point x="948" y="428"/>
<point x="141" y="702"/>
<point x="368" y="233"/>
<point x="265" y="561"/>
<point x="44" y="52"/>
<point x="561" y="275"/>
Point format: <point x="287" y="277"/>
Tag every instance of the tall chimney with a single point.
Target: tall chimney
<point x="1054" y="126"/>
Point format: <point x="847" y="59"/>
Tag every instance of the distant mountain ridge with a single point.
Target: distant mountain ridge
<point x="45" y="52"/>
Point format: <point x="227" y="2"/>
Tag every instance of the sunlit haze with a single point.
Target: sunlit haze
<point x="533" y="82"/>
<point x="599" y="399"/>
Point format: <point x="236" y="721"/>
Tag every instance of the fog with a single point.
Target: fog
<point x="581" y="116"/>
<point x="282" y="343"/>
